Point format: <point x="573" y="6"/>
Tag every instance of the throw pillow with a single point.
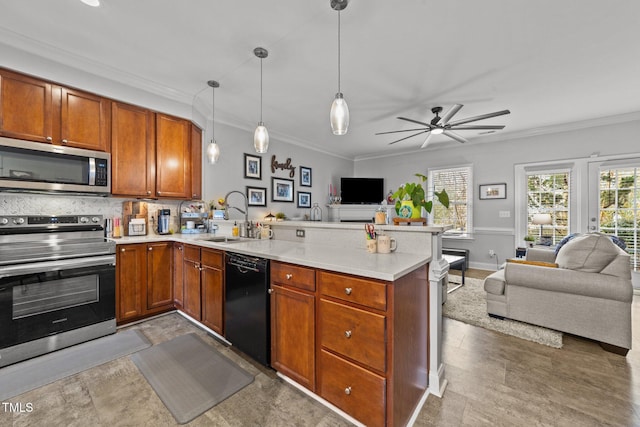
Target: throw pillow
<point x="564" y="241"/>
<point x="588" y="252"/>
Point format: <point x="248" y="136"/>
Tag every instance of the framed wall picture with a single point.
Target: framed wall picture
<point x="304" y="199"/>
<point x="493" y="191"/>
<point x="252" y="166"/>
<point x="256" y="196"/>
<point x="281" y="190"/>
<point x="305" y="176"/>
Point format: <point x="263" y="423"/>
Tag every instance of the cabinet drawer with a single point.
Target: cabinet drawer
<point x="212" y="258"/>
<point x="355" y="333"/>
<point x="360" y="291"/>
<point x="192" y="253"/>
<point x="293" y="275"/>
<point x="355" y="390"/>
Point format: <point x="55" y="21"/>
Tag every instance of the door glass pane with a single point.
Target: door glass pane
<point x="548" y="193"/>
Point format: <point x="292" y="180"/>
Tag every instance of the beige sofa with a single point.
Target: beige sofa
<point x="589" y="293"/>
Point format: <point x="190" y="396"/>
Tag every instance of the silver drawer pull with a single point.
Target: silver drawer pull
<point x="289" y="276"/>
<point x="347" y="391"/>
<point x="348" y="291"/>
<point x="347" y="334"/>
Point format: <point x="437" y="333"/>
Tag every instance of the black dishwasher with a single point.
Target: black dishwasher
<point x="246" y="305"/>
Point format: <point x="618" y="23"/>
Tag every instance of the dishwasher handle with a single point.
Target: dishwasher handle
<point x="243" y="268"/>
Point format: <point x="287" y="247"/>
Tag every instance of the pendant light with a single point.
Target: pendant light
<point x="213" y="150"/>
<point x="261" y="135"/>
<point x="339" y="115"/>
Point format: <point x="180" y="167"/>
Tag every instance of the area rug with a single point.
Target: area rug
<point x="468" y="304"/>
<point x="190" y="376"/>
<point x="33" y="373"/>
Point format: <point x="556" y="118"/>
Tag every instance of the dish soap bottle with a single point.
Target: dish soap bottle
<point x="235" y="231"/>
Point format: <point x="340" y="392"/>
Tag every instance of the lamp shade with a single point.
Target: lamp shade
<point x="261" y="139"/>
<point x="541" y="219"/>
<point x="339" y="115"/>
<point x="213" y="152"/>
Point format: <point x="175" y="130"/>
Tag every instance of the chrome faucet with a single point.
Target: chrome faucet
<point x="248" y="228"/>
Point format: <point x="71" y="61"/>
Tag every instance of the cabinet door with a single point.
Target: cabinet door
<point x="159" y="275"/>
<point x="212" y="298"/>
<point x="191" y="280"/>
<point x="173" y="157"/>
<point x="84" y="120"/>
<point x="196" y="162"/>
<point x="133" y="171"/>
<point x="178" y="269"/>
<point x="131" y="280"/>
<point x="292" y="334"/>
<point x="26" y="108"/>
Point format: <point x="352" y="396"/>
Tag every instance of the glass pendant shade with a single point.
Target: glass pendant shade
<point x="213" y="152"/>
<point x="339" y="115"/>
<point x="261" y="139"/>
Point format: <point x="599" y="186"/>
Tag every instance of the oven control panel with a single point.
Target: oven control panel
<point x="49" y="220"/>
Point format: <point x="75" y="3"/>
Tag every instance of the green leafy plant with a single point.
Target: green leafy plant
<point x="529" y="238"/>
<point x="414" y="191"/>
<point x="280" y="215"/>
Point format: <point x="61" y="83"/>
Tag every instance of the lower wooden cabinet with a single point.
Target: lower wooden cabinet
<point x="178" y="264"/>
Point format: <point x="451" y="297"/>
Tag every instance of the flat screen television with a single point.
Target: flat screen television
<point x="361" y="191"/>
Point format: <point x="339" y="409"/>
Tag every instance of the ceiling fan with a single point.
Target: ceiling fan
<point x="442" y="125"/>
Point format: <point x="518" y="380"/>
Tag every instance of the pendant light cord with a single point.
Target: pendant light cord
<point x="260" y="90"/>
<point x="213" y="114"/>
<point x="339" y="52"/>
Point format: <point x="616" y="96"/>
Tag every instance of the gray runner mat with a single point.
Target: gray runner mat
<point x="190" y="376"/>
<point x="33" y="373"/>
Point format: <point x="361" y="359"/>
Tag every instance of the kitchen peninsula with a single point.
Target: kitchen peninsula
<point x="360" y="331"/>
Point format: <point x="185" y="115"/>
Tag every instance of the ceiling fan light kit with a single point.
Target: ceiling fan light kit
<point x="442" y="125"/>
<point x="213" y="150"/>
<point x="339" y="115"/>
<point x="261" y="135"/>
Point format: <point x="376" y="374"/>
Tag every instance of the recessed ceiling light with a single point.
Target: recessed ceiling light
<point x="93" y="3"/>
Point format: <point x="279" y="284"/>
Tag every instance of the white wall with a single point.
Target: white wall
<point x="494" y="163"/>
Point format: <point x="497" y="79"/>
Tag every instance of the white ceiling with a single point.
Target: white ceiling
<point x="550" y="62"/>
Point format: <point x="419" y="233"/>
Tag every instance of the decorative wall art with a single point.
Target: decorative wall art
<point x="281" y="190"/>
<point x="493" y="191"/>
<point x="305" y="176"/>
<point x="304" y="199"/>
<point x="283" y="166"/>
<point x="252" y="166"/>
<point x="257" y="196"/>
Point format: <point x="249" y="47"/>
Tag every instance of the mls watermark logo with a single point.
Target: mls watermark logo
<point x="18" y="407"/>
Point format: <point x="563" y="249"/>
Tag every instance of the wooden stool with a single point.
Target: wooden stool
<point x="408" y="221"/>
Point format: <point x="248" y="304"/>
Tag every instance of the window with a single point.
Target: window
<point x="548" y="193"/>
<point x="619" y="207"/>
<point x="458" y="183"/>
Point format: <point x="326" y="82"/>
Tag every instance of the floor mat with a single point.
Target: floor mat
<point x="190" y="376"/>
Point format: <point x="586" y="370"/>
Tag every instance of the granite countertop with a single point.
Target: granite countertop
<point x="348" y="260"/>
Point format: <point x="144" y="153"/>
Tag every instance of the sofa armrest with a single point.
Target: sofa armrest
<point x="543" y="255"/>
<point x="594" y="285"/>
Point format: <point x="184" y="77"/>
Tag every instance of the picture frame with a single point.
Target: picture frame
<point x="256" y="196"/>
<point x="281" y="189"/>
<point x="304" y="199"/>
<point x="493" y="191"/>
<point x="252" y="166"/>
<point x="305" y="176"/>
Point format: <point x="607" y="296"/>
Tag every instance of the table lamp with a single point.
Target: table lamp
<point x="541" y="219"/>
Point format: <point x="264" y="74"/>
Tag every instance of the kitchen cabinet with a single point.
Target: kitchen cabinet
<point x="293" y="322"/>
<point x="203" y="284"/>
<point x="133" y="148"/>
<point x="42" y="111"/>
<point x="173" y="157"/>
<point x="143" y="280"/>
<point x="178" y="271"/>
<point x="196" y="162"/>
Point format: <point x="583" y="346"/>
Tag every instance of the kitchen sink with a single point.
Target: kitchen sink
<point x="224" y="239"/>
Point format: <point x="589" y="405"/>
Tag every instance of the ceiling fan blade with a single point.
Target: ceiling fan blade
<point x="455" y="136"/>
<point x="450" y="113"/>
<point x="415" y="121"/>
<point x="396" y="131"/>
<point x="481" y="117"/>
<point x="426" y="141"/>
<point x="476" y="127"/>
<point x="410" y="136"/>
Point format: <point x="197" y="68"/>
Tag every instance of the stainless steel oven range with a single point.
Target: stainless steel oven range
<point x="57" y="284"/>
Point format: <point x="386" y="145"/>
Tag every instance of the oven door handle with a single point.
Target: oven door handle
<point x="64" y="264"/>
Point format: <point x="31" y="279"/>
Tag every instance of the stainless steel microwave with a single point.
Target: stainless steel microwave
<point x="27" y="166"/>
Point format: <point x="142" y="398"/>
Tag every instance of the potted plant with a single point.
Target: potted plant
<point x="528" y="239"/>
<point x="410" y="198"/>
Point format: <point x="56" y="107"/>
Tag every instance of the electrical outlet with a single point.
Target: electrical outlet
<point x="299" y="233"/>
<point x="492" y="253"/>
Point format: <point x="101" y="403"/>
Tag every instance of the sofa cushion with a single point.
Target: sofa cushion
<point x="590" y="253"/>
<point x="494" y="283"/>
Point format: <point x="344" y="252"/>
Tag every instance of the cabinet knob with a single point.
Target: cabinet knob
<point x="289" y="276"/>
<point x="179" y="248"/>
<point x="348" y="291"/>
<point x="148" y="192"/>
<point x="270" y="291"/>
<point x="347" y="391"/>
<point x="347" y="334"/>
<point x="122" y="250"/>
<point x="159" y="192"/>
<point x="150" y="248"/>
<point x="64" y="141"/>
<point x="49" y="138"/>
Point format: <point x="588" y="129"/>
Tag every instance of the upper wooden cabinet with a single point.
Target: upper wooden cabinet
<point x="173" y="157"/>
<point x="37" y="110"/>
<point x="133" y="148"/>
<point x="196" y="162"/>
